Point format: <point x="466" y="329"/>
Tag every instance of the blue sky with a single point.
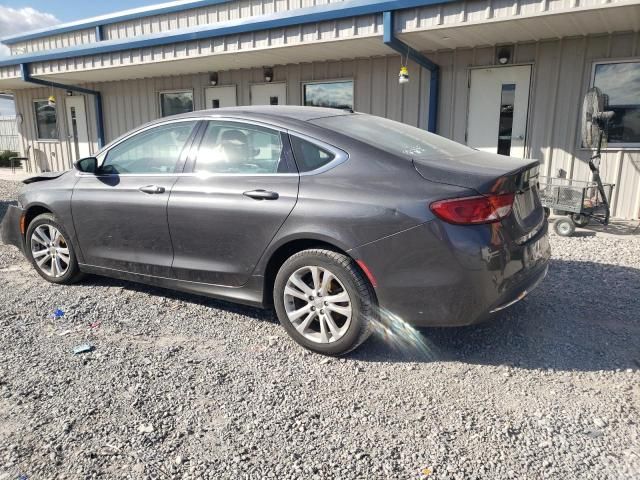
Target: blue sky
<point x="69" y="10"/>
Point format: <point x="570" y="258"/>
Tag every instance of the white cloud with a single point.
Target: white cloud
<point x="14" y="21"/>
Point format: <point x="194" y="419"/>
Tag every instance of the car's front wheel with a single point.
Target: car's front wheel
<point x="324" y="301"/>
<point x="49" y="250"/>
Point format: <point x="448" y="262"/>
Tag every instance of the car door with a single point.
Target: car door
<point x="236" y="193"/>
<point x="120" y="214"/>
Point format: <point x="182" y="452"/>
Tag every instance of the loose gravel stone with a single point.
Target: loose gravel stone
<point x="185" y="387"/>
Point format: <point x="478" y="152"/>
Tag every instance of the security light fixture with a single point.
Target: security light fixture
<point x="69" y="93"/>
<point x="504" y="55"/>
<point x="268" y="75"/>
<point x="213" y="78"/>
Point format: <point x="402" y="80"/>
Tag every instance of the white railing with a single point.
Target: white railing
<point x="9" y="134"/>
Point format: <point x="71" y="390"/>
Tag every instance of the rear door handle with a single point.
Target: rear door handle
<point x="261" y="195"/>
<point x="152" y="189"/>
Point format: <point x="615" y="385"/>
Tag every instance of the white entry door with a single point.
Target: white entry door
<point x="269" y="94"/>
<point x="77" y="127"/>
<point x="498" y="107"/>
<point x="220" y="97"/>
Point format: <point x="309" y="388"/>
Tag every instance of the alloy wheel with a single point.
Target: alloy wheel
<point x="50" y="250"/>
<point x="317" y="304"/>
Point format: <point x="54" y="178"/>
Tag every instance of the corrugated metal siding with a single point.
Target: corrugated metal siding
<point x="12" y="71"/>
<point x="193" y="17"/>
<point x="70" y="39"/>
<point x="343" y="29"/>
<point x="481" y="11"/>
<point x="9" y="139"/>
<point x="561" y="75"/>
<point x="205" y="16"/>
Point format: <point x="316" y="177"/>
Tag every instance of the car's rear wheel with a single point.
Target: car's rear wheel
<point x="324" y="301"/>
<point x="49" y="250"/>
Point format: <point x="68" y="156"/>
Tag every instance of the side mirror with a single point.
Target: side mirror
<point x="87" y="165"/>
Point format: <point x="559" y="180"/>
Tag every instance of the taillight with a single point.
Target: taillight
<point x="474" y="210"/>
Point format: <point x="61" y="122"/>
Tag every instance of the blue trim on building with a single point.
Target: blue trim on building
<point x="26" y="77"/>
<point x="123" y="16"/>
<point x="406" y="51"/>
<point x="332" y="11"/>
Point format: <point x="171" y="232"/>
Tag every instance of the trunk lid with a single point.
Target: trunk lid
<point x="497" y="174"/>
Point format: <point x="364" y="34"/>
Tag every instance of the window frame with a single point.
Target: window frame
<point x="35" y="122"/>
<point x="179" y="90"/>
<point x="333" y="80"/>
<point x="592" y="79"/>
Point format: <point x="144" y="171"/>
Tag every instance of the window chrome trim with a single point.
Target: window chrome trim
<point x="340" y="156"/>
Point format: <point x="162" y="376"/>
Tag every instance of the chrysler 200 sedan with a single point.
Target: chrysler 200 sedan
<point x="336" y="219"/>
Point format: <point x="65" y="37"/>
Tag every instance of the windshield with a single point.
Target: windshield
<point x="394" y="137"/>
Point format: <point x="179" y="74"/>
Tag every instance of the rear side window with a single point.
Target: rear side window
<point x="229" y="147"/>
<point x="309" y="156"/>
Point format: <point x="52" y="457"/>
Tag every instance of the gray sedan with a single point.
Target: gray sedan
<point x="338" y="220"/>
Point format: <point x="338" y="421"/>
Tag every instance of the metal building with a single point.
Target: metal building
<point x="506" y="76"/>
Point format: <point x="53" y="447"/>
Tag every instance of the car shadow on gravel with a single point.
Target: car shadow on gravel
<point x="584" y="316"/>
<point x="253" y="313"/>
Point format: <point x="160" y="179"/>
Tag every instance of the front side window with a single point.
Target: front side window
<point x="621" y="83"/>
<point x="229" y="147"/>
<point x="173" y="103"/>
<point x="329" y="94"/>
<point x="46" y="120"/>
<point x="153" y="151"/>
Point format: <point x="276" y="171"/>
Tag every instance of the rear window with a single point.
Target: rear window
<point x="394" y="137"/>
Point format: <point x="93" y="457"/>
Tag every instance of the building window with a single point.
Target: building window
<point x="46" y="120"/>
<point x="620" y="81"/>
<point x="173" y="103"/>
<point x="337" y="94"/>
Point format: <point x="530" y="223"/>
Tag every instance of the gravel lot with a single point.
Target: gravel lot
<point x="181" y="386"/>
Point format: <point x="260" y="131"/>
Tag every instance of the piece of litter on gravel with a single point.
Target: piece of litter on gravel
<point x="273" y="341"/>
<point x="83" y="348"/>
<point x="324" y="361"/>
<point x="425" y="472"/>
<point x="145" y="429"/>
<point x="95" y="324"/>
<point x="64" y="333"/>
<point x="58" y="314"/>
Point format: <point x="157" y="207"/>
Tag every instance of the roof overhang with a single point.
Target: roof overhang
<point x="545" y="25"/>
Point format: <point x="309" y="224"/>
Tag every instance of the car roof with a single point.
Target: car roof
<point x="277" y="114"/>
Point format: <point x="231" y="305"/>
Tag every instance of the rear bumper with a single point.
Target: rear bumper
<point x="10" y="227"/>
<point x="439" y="274"/>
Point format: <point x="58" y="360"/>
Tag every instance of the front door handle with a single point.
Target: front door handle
<point x="261" y="195"/>
<point x="152" y="189"/>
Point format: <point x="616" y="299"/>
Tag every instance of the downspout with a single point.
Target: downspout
<point x="403" y="49"/>
<point x="26" y="77"/>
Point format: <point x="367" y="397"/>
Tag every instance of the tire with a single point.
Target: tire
<point x="580" y="220"/>
<point x="564" y="227"/>
<point x="44" y="223"/>
<point x="341" y="333"/>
